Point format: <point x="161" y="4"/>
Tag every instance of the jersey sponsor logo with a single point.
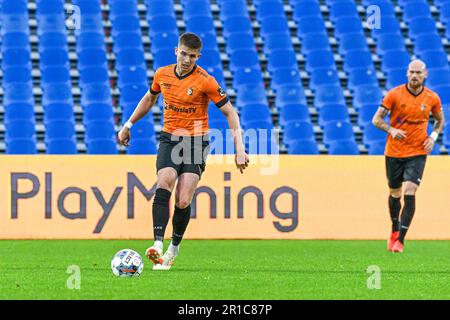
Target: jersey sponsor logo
<point x="221" y="92"/>
<point x="190" y="91"/>
<point x="423" y="107"/>
<point x="182" y="110"/>
<point x="202" y="73"/>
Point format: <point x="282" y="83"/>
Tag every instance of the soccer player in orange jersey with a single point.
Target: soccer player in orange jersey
<point x="184" y="144"/>
<point x="407" y="144"/>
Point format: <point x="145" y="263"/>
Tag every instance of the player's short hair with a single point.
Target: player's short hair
<point x="190" y="40"/>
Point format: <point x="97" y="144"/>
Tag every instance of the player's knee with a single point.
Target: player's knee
<point x="410" y="189"/>
<point x="183" y="202"/>
<point x="396" y="193"/>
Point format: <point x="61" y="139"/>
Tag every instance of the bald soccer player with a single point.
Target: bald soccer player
<point x="184" y="144"/>
<point x="408" y="144"/>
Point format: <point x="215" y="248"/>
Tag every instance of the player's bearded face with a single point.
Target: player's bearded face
<point x="416" y="77"/>
<point x="186" y="58"/>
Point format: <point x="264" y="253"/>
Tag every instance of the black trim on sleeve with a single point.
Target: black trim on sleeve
<point x="222" y="102"/>
<point x="154" y="92"/>
<point x="383" y="106"/>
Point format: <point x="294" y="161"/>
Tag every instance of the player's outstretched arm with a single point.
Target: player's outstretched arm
<point x="378" y="121"/>
<point x="242" y="158"/>
<point x="437" y="129"/>
<point x="143" y="107"/>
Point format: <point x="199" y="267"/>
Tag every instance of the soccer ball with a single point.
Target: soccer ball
<point x="127" y="263"/>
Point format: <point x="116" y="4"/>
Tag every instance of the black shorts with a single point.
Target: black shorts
<point x="399" y="170"/>
<point x="183" y="153"/>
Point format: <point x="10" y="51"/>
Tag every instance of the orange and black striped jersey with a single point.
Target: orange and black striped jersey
<point x="186" y="99"/>
<point x="410" y="112"/>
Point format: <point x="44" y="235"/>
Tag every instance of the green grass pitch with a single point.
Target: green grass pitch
<point x="229" y="269"/>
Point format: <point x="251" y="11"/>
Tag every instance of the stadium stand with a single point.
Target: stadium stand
<point x="311" y="70"/>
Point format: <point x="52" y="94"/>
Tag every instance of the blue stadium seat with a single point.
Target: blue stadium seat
<point x="102" y="146"/>
<point x="339" y="10"/>
<point x="444" y="93"/>
<point x="240" y="41"/>
<point x="311" y="25"/>
<point x="161" y="24"/>
<point x="438" y="77"/>
<point x="162" y="58"/>
<point x="196" y="8"/>
<point x="58" y="111"/>
<point x="14" y="7"/>
<point x="19" y="111"/>
<point x="100" y="129"/>
<point x="132" y="93"/>
<point x="90" y="23"/>
<point x="18" y="92"/>
<point x="200" y="25"/>
<point x="395" y="59"/>
<point x="157" y="8"/>
<point x="209" y="40"/>
<point x="21" y="146"/>
<point x="366" y="95"/>
<point x="351" y="42"/>
<point x="234" y="8"/>
<point x="14" y="40"/>
<point x="88" y="7"/>
<point x="164" y="40"/>
<point x="269" y="9"/>
<point x="122" y="24"/>
<point x="132" y="75"/>
<point x="366" y="113"/>
<point x="53" y="40"/>
<point x="390" y="26"/>
<point x="276" y="41"/>
<point x="17" y="75"/>
<point x="303" y="147"/>
<point x="446" y="136"/>
<point x="210" y="59"/>
<point x="127" y="111"/>
<point x="307" y="9"/>
<point x="435" y="59"/>
<point x="49" y="7"/>
<point x="320" y="59"/>
<point x="363" y="76"/>
<point x="445" y="12"/>
<point x="313" y="41"/>
<point x="346" y="147"/>
<point x="253" y="112"/>
<point x="62" y="146"/>
<point x="377" y="148"/>
<point x="323" y="76"/>
<point x="54" y="57"/>
<point x="132" y="57"/>
<point x="337" y="131"/>
<point x="285" y="76"/>
<point x="262" y="146"/>
<point x="396" y="77"/>
<point x="414" y="10"/>
<point x="51" y="23"/>
<point x="128" y="40"/>
<point x="123" y="8"/>
<point x="298" y="130"/>
<point x="294" y="112"/>
<point x="347" y="25"/>
<point x="274" y="25"/>
<point x="57" y="92"/>
<point x="427" y="42"/>
<point x="95" y="93"/>
<point x="358" y="60"/>
<point x="59" y="129"/>
<point x="244" y="59"/>
<point x="332" y="113"/>
<point x="421" y="26"/>
<point x="143" y="130"/>
<point x="90" y="40"/>
<point x="373" y="135"/>
<point x="98" y="111"/>
<point x="15" y="23"/>
<point x="390" y="41"/>
<point x="290" y="94"/>
<point x="16" y="57"/>
<point x="281" y="59"/>
<point x="245" y="76"/>
<point x="53" y="75"/>
<point x="328" y="94"/>
<point x="94" y="75"/>
<point x="20" y="129"/>
<point x="91" y="58"/>
<point x="142" y="146"/>
<point x="236" y="24"/>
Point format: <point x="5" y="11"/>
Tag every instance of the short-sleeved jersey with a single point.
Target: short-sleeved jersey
<point x="410" y="113"/>
<point x="186" y="99"/>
